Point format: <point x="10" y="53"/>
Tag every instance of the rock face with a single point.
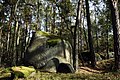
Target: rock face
<point x="46" y="51"/>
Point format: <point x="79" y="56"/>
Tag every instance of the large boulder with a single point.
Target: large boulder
<point x="46" y="51"/>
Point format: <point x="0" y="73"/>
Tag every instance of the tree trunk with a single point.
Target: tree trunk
<point x="38" y="16"/>
<point x="53" y="24"/>
<point x="90" y="39"/>
<point x="46" y="21"/>
<point x="116" y="26"/>
<point x="75" y="54"/>
<point x="85" y="35"/>
<point x="84" y="30"/>
<point x="107" y="46"/>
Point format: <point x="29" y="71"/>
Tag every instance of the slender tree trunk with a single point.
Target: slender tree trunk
<point x="46" y="21"/>
<point x="96" y="32"/>
<point x="116" y="31"/>
<point x="90" y="39"/>
<point x="2" y="39"/>
<point x="16" y="42"/>
<point x="75" y="54"/>
<point x="15" y="34"/>
<point x="80" y="31"/>
<point x="53" y="24"/>
<point x="85" y="35"/>
<point x="0" y="45"/>
<point x="38" y="12"/>
<point x="12" y="36"/>
<point x="80" y="28"/>
<point x="107" y="48"/>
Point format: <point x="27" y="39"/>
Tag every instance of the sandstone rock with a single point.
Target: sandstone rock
<point x="46" y="50"/>
<point x="51" y="65"/>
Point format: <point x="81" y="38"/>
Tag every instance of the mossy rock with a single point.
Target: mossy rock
<point x="5" y="73"/>
<point x="42" y="38"/>
<point x="22" y="71"/>
<point x="51" y="39"/>
<point x="45" y="46"/>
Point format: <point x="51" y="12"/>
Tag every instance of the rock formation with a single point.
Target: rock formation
<point x="46" y="51"/>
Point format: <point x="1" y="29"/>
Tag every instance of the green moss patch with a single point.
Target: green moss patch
<point x="53" y="42"/>
<point x="18" y="71"/>
<point x="22" y="71"/>
<point x="48" y="35"/>
<point x="4" y="73"/>
<point x="42" y="33"/>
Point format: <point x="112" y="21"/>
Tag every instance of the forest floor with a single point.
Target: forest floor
<point x="84" y="73"/>
<point x="103" y="71"/>
<point x="88" y="70"/>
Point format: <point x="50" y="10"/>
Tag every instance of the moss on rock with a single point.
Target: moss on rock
<point x="53" y="42"/>
<point x="47" y="34"/>
<point x="46" y="46"/>
<point x="22" y="71"/>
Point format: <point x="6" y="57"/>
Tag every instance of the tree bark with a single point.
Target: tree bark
<point x="90" y="39"/>
<point x="116" y="31"/>
<point x="75" y="54"/>
<point x="53" y="24"/>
